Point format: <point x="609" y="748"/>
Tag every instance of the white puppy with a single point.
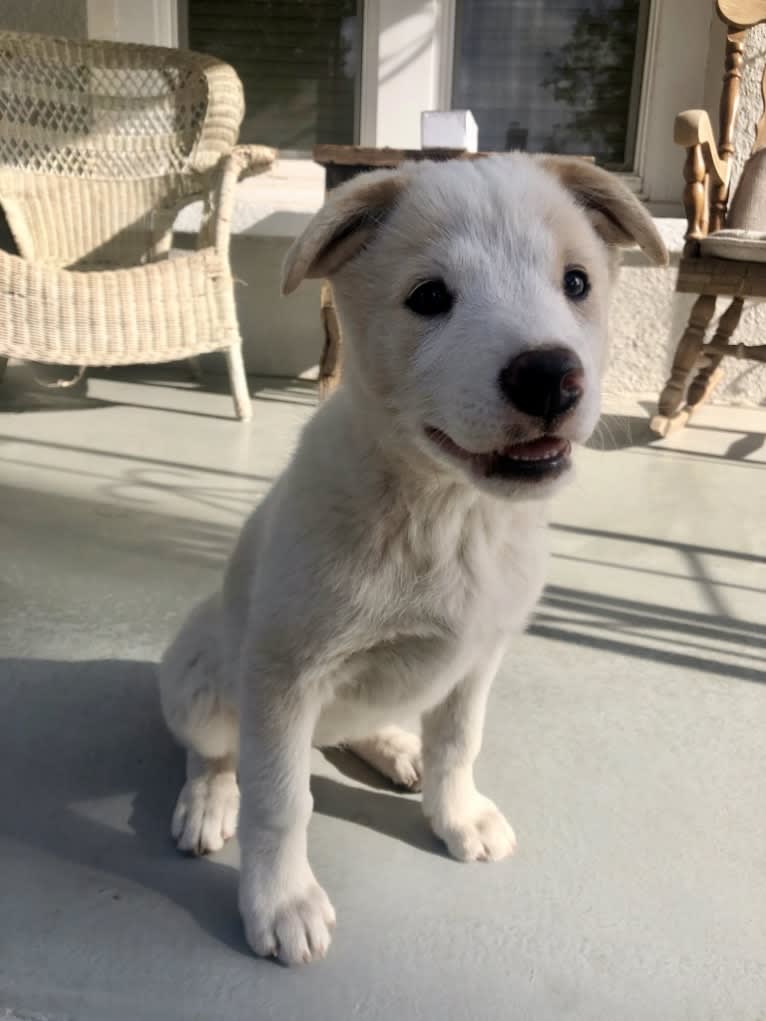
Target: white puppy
<point x="386" y="570"/>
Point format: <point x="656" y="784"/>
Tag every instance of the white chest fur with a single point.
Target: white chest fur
<point x="424" y="620"/>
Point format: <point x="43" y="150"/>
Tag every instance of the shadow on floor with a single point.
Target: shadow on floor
<point x="214" y="380"/>
<point x="706" y="643"/>
<point x="625" y="432"/>
<point x="711" y="641"/>
<point x="78" y="736"/>
<point x="738" y="450"/>
<point x="28" y="387"/>
<point x="105" y="532"/>
<point x="621" y="432"/>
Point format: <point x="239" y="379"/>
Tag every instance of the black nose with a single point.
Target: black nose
<point x="544" y="383"/>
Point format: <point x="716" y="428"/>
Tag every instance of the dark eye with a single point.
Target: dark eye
<point x="430" y="299"/>
<point x="576" y="284"/>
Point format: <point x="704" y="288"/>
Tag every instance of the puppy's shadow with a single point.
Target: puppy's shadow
<point x="90" y="776"/>
<point x="356" y="769"/>
<point x="385" y="809"/>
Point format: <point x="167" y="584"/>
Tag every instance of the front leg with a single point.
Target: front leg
<point x="471" y="826"/>
<point x="286" y="913"/>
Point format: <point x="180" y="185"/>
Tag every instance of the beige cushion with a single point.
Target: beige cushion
<point x="747" y="209"/>
<point x="744" y="238"/>
<point x="743" y="245"/>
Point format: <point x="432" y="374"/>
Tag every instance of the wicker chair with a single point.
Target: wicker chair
<point x="101" y="145"/>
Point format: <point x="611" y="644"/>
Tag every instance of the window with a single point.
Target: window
<point x="299" y="61"/>
<point x="552" y="75"/>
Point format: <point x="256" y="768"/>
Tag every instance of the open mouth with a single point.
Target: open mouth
<point x="542" y="458"/>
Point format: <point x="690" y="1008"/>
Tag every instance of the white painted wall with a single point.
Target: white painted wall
<point x="402" y="60"/>
<point x="675" y="75"/>
<point x="154" y="22"/>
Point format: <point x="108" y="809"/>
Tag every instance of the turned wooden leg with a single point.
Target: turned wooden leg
<point x="329" y="363"/>
<point x="704" y="382"/>
<point x="689" y="347"/>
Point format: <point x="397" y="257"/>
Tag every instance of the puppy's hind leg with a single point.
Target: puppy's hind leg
<point x="393" y="752"/>
<point x="200" y="712"/>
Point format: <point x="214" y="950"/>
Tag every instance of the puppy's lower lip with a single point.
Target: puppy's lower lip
<point x="533" y="459"/>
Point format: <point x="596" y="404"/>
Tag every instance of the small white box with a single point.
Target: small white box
<point x="449" y="129"/>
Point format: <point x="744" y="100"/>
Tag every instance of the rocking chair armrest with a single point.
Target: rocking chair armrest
<point x="692" y="128"/>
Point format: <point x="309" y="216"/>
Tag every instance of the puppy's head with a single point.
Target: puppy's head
<point x="473" y="300"/>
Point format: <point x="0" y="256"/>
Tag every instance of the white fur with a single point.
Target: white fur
<point x="379" y="579"/>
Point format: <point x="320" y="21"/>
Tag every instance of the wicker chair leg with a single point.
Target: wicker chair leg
<point x="239" y="388"/>
<point x="194" y="366"/>
<point x="3" y="364"/>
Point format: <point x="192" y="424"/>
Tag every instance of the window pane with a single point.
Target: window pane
<point x="552" y="75"/>
<point x="298" y="60"/>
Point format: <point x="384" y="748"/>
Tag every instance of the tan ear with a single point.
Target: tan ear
<point x="344" y="224"/>
<point x="617" y="215"/>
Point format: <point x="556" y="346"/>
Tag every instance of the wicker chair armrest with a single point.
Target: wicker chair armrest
<point x="692" y="128"/>
<point x="252" y="159"/>
<point x="242" y="161"/>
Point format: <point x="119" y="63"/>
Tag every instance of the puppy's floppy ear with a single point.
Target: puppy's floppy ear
<point x="617" y="215"/>
<point x="347" y="220"/>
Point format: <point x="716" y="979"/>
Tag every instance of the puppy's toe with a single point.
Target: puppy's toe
<point x="407" y="771"/>
<point x="497" y="837"/>
<point x="295" y="931"/>
<point x="481" y="833"/>
<point x="206" y="813"/>
<point x="395" y="753"/>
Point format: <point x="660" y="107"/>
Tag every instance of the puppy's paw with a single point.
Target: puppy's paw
<point x="295" y="928"/>
<point x="395" y="753"/>
<point x="206" y="813"/>
<point x="477" y="832"/>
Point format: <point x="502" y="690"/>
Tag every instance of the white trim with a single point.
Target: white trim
<point x="153" y="22"/>
<point x="404" y="69"/>
<point x="632" y="181"/>
<point x="675" y="74"/>
<point x="101" y="19"/>
<point x="370" y="73"/>
<point x="166" y="21"/>
<point x="444" y="43"/>
<point x="648" y="81"/>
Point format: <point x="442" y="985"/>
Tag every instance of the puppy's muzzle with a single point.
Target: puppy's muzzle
<point x="545" y="383"/>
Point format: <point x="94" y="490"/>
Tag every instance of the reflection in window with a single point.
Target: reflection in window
<point x="299" y="61"/>
<point x="552" y="75"/>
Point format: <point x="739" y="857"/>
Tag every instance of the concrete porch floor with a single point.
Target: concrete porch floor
<point x="626" y="740"/>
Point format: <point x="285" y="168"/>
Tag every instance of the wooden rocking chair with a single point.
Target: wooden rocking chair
<point x="725" y="250"/>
